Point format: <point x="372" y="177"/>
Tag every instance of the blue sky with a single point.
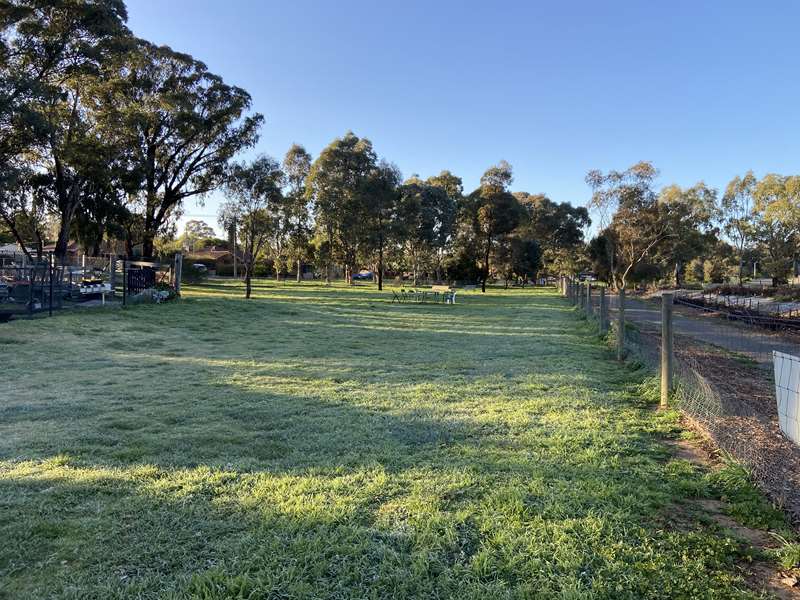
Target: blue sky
<point x="705" y="90"/>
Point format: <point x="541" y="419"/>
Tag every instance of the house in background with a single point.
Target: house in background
<point x="74" y="251"/>
<point x="218" y="260"/>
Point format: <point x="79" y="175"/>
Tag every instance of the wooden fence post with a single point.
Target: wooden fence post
<point x="603" y="311"/>
<point x="621" y="326"/>
<point x="178" y="272"/>
<point x="667" y="358"/>
<point x="589" y="308"/>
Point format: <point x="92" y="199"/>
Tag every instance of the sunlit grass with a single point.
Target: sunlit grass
<point x="322" y="442"/>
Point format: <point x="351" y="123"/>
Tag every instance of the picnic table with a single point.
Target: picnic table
<point x="437" y="293"/>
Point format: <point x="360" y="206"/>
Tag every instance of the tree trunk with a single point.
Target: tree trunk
<point x="62" y="241"/>
<point x="299" y="270"/>
<point x="247" y="285"/>
<point x="18" y="237"/>
<point x="486" y="264"/>
<point x="380" y="264"/>
<point x="741" y="266"/>
<point x="147" y="245"/>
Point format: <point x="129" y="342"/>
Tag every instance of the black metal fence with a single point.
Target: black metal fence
<point x="42" y="285"/>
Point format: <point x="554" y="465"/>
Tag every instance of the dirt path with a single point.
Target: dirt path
<point x="755" y="344"/>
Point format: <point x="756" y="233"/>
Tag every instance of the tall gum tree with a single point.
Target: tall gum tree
<point x="494" y="213"/>
<point x="296" y="166"/>
<point x="182" y="124"/>
<point x="48" y="53"/>
<point x="336" y="186"/>
<point x="252" y="191"/>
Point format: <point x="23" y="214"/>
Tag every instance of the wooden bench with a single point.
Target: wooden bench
<point x="448" y="294"/>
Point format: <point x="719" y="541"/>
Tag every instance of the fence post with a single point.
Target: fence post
<point x="51" y="266"/>
<point x="113" y="275"/>
<point x="124" y="282"/>
<point x="667" y="357"/>
<point x="621" y="325"/>
<point x="178" y="272"/>
<point x="603" y="311"/>
<point x="589" y="308"/>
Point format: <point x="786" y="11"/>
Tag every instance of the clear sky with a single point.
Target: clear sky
<point x="705" y="90"/>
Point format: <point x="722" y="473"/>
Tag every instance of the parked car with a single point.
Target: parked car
<point x="363" y="276"/>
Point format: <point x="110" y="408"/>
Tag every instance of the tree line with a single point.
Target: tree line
<point x="350" y="208"/>
<point x="104" y="136"/>
<point x="677" y="235"/>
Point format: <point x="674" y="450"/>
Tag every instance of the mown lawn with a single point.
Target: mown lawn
<point x="323" y="443"/>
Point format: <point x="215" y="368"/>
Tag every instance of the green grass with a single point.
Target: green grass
<point x="323" y="443"/>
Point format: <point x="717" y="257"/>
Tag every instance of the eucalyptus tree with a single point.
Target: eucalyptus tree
<point x="777" y="224"/>
<point x="447" y="210"/>
<point x="50" y="53"/>
<point x="688" y="215"/>
<point x="381" y="196"/>
<point x="737" y="215"/>
<point x="296" y="167"/>
<point x="493" y="213"/>
<point x="556" y="227"/>
<point x="425" y="217"/>
<point x="252" y="191"/>
<point x="181" y="124"/>
<point x="636" y="228"/>
<point x="336" y="186"/>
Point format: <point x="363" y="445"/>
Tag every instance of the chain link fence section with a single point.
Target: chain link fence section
<point x="724" y="393"/>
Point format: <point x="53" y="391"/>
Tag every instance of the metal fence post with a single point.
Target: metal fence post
<point x="603" y="311"/>
<point x="112" y="280"/>
<point x="124" y="282"/>
<point x="621" y="326"/>
<point x="667" y="358"/>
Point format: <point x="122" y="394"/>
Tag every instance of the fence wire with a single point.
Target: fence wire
<point x="725" y="388"/>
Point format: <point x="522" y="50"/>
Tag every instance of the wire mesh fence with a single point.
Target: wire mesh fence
<point x="42" y="284"/>
<point x="722" y="380"/>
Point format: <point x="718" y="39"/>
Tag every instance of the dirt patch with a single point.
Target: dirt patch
<point x="699" y="451"/>
<point x="781" y="584"/>
<point x="754" y="537"/>
<point x="759" y="575"/>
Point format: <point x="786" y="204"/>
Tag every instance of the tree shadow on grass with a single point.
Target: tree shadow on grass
<point x="408" y="511"/>
<point x="322" y="459"/>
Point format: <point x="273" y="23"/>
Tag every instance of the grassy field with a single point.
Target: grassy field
<point x="323" y="443"/>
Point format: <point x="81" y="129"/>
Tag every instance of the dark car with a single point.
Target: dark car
<point x="363" y="276"/>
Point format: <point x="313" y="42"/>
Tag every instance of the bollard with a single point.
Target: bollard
<point x="621" y="326"/>
<point x="667" y="358"/>
<point x="603" y="312"/>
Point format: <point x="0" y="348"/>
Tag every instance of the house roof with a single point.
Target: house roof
<point x="72" y="246"/>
